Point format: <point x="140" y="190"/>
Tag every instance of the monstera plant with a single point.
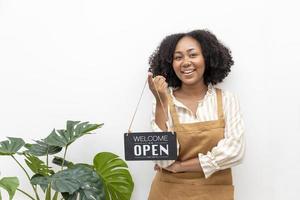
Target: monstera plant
<point x="107" y="178"/>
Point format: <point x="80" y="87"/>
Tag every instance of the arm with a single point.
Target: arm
<point x="192" y="165"/>
<point x="159" y="86"/>
<point x="228" y="152"/>
<point x="159" y="118"/>
<point x="156" y="128"/>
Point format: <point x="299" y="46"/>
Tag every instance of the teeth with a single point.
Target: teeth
<point x="188" y="71"/>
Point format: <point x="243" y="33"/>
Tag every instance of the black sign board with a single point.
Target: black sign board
<point x="150" y="146"/>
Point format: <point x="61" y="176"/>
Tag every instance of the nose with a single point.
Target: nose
<point x="186" y="63"/>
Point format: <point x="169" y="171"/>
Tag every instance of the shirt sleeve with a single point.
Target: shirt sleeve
<point x="155" y="128"/>
<point x="230" y="150"/>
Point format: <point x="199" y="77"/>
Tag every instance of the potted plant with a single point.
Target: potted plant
<point x="107" y="178"/>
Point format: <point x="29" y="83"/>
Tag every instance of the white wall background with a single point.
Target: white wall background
<point x="87" y="60"/>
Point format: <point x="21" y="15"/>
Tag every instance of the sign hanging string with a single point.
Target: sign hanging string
<point x="136" y="108"/>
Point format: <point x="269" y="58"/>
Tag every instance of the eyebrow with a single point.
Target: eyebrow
<point x="186" y="50"/>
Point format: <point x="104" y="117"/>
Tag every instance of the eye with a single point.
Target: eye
<point x="193" y="55"/>
<point x="177" y="57"/>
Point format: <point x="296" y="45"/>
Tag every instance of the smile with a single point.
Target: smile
<point x="188" y="72"/>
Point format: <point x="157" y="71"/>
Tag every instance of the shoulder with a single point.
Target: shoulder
<point x="229" y="98"/>
<point x="228" y="95"/>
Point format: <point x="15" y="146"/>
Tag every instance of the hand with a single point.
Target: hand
<point x="157" y="167"/>
<point x="175" y="167"/>
<point x="159" y="83"/>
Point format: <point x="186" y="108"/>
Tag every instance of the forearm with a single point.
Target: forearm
<point x="192" y="165"/>
<point x="160" y="116"/>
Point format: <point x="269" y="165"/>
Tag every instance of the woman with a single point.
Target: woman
<point x="207" y="120"/>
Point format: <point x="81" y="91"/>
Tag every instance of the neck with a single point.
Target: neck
<point x="195" y="90"/>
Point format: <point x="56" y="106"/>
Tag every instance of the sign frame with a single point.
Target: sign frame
<point x="150" y="146"/>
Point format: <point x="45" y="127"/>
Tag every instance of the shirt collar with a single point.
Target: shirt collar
<point x="210" y="92"/>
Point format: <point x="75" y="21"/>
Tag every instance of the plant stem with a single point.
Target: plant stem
<point x="63" y="162"/>
<point x="47" y="159"/>
<point x="25" y="193"/>
<point x="34" y="189"/>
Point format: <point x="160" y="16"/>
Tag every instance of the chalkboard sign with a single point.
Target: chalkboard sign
<point x="150" y="146"/>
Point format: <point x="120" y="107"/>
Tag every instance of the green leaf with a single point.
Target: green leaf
<point x="79" y="180"/>
<point x="75" y="130"/>
<point x="11" y="146"/>
<point x="42" y="149"/>
<point x="59" y="160"/>
<point x="114" y="172"/>
<point x="10" y="184"/>
<point x="48" y="193"/>
<point x="42" y="181"/>
<point x="68" y="196"/>
<point x="37" y="166"/>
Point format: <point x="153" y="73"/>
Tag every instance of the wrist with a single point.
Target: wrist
<point x="180" y="167"/>
<point x="163" y="100"/>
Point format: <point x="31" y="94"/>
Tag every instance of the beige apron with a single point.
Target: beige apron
<point x="194" y="138"/>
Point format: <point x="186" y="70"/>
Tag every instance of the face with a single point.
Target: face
<point x="188" y="61"/>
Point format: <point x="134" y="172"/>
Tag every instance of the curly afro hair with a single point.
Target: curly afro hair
<point x="218" y="59"/>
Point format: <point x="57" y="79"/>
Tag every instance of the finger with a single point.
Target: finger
<point x="156" y="83"/>
<point x="165" y="85"/>
<point x="160" y="78"/>
<point x="157" y="167"/>
<point x="150" y="79"/>
<point x="162" y="81"/>
<point x="162" y="86"/>
<point x="159" y="81"/>
<point x="150" y="76"/>
<point x="169" y="169"/>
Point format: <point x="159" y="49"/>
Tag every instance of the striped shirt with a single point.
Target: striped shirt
<point x="230" y="150"/>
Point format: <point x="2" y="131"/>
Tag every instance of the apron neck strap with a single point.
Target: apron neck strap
<point x="173" y="112"/>
<point x="220" y="103"/>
